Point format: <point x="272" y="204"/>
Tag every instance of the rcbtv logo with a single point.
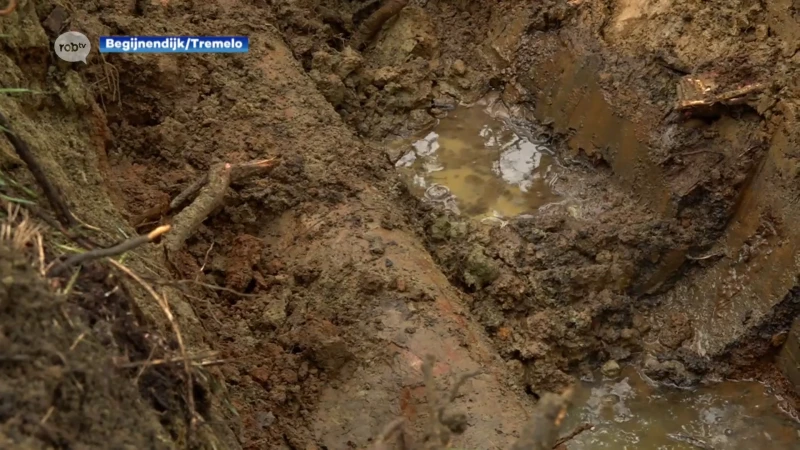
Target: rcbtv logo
<point x="72" y="46"/>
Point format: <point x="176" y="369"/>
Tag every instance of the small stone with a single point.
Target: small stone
<point x="55" y="21"/>
<point x="383" y="76"/>
<point x="779" y="339"/>
<point x="610" y="369"/>
<point x="351" y="60"/>
<point x="459" y="68"/>
<point x="619" y="353"/>
<point x="260" y="375"/>
<point x="275" y="312"/>
<point x="388" y="262"/>
<point x="265" y="419"/>
<point x="650" y="363"/>
<point x="762" y="32"/>
<point x="411" y="330"/>
<point x="376" y="246"/>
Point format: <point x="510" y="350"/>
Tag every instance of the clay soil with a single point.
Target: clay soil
<point x="309" y="302"/>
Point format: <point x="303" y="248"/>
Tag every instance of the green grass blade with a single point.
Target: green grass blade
<point x="17" y="200"/>
<point x="18" y="91"/>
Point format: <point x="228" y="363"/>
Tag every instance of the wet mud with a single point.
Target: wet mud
<point x="321" y="288"/>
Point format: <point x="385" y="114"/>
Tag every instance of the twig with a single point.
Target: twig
<point x="118" y="249"/>
<point x="12" y="5"/>
<point x="189" y="193"/>
<point x="725" y="97"/>
<point x="373" y="24"/>
<point x="441" y="428"/>
<point x="50" y="191"/>
<point x="708" y="256"/>
<point x="457" y="387"/>
<point x="695" y="152"/>
<point x="578" y="430"/>
<point x="164" y="304"/>
<point x="157" y="362"/>
<point x="382" y="441"/>
<point x="693" y="441"/>
<point x="205" y="261"/>
<point x="144" y="366"/>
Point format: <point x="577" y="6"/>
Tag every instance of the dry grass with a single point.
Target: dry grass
<point x="18" y="229"/>
<point x="24" y="235"/>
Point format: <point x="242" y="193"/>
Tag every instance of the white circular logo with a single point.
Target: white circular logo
<point x="73" y="46"/>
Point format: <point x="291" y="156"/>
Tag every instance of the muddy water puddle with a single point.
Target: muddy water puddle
<point x="478" y="163"/>
<point x="632" y="413"/>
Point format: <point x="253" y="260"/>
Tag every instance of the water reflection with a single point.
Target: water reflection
<point x="631" y="413"/>
<point x="487" y="167"/>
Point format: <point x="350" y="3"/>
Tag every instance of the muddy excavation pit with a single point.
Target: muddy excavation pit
<point x="402" y="224"/>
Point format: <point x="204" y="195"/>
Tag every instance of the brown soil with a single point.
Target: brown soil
<point x="323" y="286"/>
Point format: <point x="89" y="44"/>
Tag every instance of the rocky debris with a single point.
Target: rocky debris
<point x="459" y="67"/>
<point x="479" y="270"/>
<point x="671" y="372"/>
<point x="610" y="369"/>
<point x="445" y="228"/>
<point x="679" y="330"/>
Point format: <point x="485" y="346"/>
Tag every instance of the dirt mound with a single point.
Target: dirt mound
<point x="62" y="385"/>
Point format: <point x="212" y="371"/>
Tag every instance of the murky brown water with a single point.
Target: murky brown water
<point x="631" y="413"/>
<point x="476" y="164"/>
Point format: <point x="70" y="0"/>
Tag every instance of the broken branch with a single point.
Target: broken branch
<point x="25" y="154"/>
<point x="239" y="172"/>
<point x="209" y="199"/>
<point x="118" y="249"/>
<point x="578" y="430"/>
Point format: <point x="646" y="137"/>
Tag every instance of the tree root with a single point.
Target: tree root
<point x="370" y="27"/>
<point x="50" y="191"/>
<point x="210" y="198"/>
<point x="239" y="172"/>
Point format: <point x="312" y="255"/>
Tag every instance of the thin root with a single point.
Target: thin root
<point x="12" y="5"/>
<point x="164" y="304"/>
<point x="25" y="154"/>
<point x="118" y="249"/>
